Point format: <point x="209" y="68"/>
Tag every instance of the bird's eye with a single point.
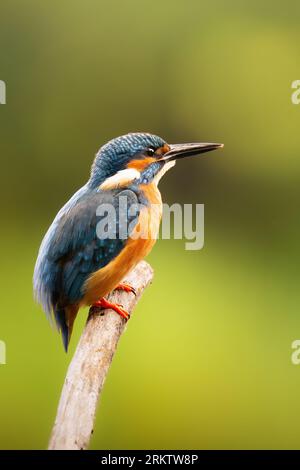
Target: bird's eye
<point x="150" y="152"/>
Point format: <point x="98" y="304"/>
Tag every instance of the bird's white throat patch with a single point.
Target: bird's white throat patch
<point x="164" y="170"/>
<point x="124" y="177"/>
<point x="120" y="179"/>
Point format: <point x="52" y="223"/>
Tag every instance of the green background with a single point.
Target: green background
<point x="206" y="361"/>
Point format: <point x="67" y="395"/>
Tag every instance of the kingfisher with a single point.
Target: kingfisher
<point x="78" y="264"/>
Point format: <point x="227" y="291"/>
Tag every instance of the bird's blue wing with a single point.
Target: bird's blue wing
<point x="72" y="249"/>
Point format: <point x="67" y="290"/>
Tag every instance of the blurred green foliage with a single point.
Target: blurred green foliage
<point x="206" y="361"/>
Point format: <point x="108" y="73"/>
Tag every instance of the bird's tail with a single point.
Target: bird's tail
<point x="64" y="318"/>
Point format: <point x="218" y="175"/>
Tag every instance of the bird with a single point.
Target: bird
<point x="76" y="266"/>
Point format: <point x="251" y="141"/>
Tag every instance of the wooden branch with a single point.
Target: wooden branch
<point x="89" y="367"/>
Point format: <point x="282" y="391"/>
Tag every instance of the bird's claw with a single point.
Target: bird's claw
<point x="126" y="287"/>
<point x="104" y="303"/>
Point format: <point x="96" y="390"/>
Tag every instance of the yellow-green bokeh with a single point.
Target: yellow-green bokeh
<point x="206" y="360"/>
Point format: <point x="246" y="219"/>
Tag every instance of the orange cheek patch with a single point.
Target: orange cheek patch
<point x="162" y="150"/>
<point x="141" y="164"/>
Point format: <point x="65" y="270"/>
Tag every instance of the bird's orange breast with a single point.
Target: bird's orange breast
<point x="138" y="246"/>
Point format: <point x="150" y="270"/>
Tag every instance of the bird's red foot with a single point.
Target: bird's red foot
<point x="126" y="288"/>
<point x="116" y="307"/>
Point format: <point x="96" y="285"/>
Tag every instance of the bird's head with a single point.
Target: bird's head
<point x="139" y="158"/>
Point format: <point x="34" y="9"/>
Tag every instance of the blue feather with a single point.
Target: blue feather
<point x="71" y="250"/>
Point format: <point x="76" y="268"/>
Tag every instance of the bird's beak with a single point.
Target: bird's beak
<point x="187" y="150"/>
